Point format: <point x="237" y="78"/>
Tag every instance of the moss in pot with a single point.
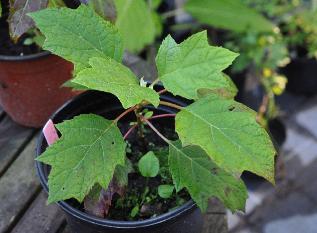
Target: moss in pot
<point x="214" y="141"/>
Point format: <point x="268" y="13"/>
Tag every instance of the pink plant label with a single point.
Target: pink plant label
<point x="50" y="132"/>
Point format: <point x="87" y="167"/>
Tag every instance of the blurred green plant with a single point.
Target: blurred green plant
<point x="261" y="54"/>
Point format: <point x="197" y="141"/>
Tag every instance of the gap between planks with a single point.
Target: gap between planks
<point x="13" y="139"/>
<point x="19" y="186"/>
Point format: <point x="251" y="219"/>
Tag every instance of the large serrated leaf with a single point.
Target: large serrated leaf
<point x="192" y="65"/>
<point x="108" y="75"/>
<point x="192" y="168"/>
<point x="135" y="23"/>
<point x="228" y="14"/>
<point x="78" y="35"/>
<point x="88" y="153"/>
<point x="229" y="133"/>
<point x="19" y="21"/>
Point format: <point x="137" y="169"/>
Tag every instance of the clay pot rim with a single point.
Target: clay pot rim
<point x="30" y="57"/>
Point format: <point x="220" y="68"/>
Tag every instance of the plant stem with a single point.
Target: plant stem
<point x="125" y="113"/>
<point x="162" y="116"/>
<point x="172" y="13"/>
<point x="154" y="82"/>
<point x="129" y="131"/>
<point x="154" y="117"/>
<point x="139" y="120"/>
<point x="171" y="105"/>
<point x="156" y="130"/>
<point x="162" y="91"/>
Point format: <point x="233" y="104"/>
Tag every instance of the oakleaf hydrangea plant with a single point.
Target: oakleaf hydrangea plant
<point x="218" y="138"/>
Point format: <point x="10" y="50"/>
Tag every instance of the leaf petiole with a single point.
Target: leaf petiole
<point x="156" y="130"/>
<point x="171" y="105"/>
<point x="126" y="112"/>
<point x="154" y="117"/>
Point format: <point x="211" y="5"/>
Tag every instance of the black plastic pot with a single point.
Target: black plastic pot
<point x="301" y="74"/>
<point x="185" y="219"/>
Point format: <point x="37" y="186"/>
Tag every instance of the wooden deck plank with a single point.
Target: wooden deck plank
<point x="12" y="138"/>
<point x="18" y="186"/>
<point x="67" y="230"/>
<point x="40" y="217"/>
<point x="215" y="223"/>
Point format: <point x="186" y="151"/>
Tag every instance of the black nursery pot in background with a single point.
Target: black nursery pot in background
<point x="253" y="99"/>
<point x="185" y="219"/>
<point x="301" y="74"/>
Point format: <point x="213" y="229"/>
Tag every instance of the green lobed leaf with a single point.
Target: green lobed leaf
<point x="192" y="168"/>
<point x="192" y="65"/>
<point x="19" y="21"/>
<point x="228" y="14"/>
<point x="230" y="135"/>
<point x="78" y="35"/>
<point x="88" y="153"/>
<point x="111" y="76"/>
<point x="149" y="165"/>
<point x="135" y="23"/>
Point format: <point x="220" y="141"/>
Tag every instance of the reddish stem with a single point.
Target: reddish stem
<point x="162" y="91"/>
<point x="155" y="130"/>
<point x="125" y="113"/>
<point x="165" y="103"/>
<point x="129" y="131"/>
<point x="161" y="116"/>
<point x="143" y="120"/>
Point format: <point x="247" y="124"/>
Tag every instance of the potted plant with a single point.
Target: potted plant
<point x="30" y="78"/>
<point x="300" y="33"/>
<point x="144" y="161"/>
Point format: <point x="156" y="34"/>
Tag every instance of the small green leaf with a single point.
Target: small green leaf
<point x="230" y="135"/>
<point x="148" y="114"/>
<point x="111" y="76"/>
<point x="78" y="35"/>
<point x="88" y="153"/>
<point x="192" y="168"/>
<point x="19" y="21"/>
<point x="228" y="14"/>
<point x="135" y="23"/>
<point x="149" y="165"/>
<point x="193" y="65"/>
<point x="165" y="191"/>
<point x="135" y="211"/>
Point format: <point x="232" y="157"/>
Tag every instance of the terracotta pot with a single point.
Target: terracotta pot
<point x="30" y="86"/>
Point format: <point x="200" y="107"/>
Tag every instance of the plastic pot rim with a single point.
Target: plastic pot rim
<point x="187" y="207"/>
<point x="30" y="57"/>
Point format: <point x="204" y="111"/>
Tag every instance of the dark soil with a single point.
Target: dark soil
<point x="142" y="192"/>
<point x="7" y="46"/>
